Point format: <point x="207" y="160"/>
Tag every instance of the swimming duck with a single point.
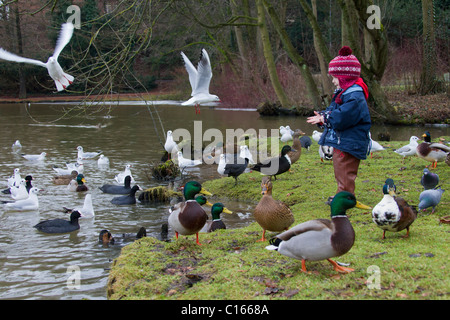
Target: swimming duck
<point x="326" y="152"/>
<point x="130" y="198"/>
<point x="432" y="152"/>
<point x="393" y="213"/>
<point x="188" y="217"/>
<point x="236" y="167"/>
<point x="429" y="179"/>
<point x="81" y="187"/>
<point x="276" y="166"/>
<point x="320" y="239"/>
<point x="87" y="211"/>
<point x="65" y="178"/>
<point x="409" y="149"/>
<point x="60" y="225"/>
<point x="271" y="214"/>
<point x="216" y="223"/>
<point x="115" y="189"/>
<point x="105" y="237"/>
<point x="430" y="198"/>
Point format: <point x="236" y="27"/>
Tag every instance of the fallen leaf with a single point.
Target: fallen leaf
<point x="402" y="295"/>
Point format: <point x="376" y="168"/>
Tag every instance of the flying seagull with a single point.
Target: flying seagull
<point x="199" y="79"/>
<point x="62" y="79"/>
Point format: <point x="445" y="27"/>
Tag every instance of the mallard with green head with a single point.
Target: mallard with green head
<point x="188" y="217"/>
<point x="271" y="214"/>
<point x="216" y="222"/>
<point x="393" y="213"/>
<point x="321" y="239"/>
<point x="432" y="152"/>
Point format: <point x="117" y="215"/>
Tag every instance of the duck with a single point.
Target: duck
<point x="236" y="167"/>
<point x="65" y="178"/>
<point x="87" y="211"/>
<point x="326" y="152"/>
<point x="297" y="145"/>
<point x="409" y="149"/>
<point x="432" y="152"/>
<point x="393" y="213"/>
<point x="87" y="155"/>
<point x="216" y="223"/>
<point x="29" y="204"/>
<point x="73" y="185"/>
<point x="188" y="217"/>
<point x="170" y="145"/>
<point x="105" y="237"/>
<point x="60" y="225"/>
<point x="120" y="177"/>
<point x="429" y="179"/>
<point x="115" y="189"/>
<point x="130" y="198"/>
<point x="316" y="135"/>
<point x="430" y="198"/>
<point x="276" y="166"/>
<point x="286" y="133"/>
<point x="320" y="239"/>
<point x="271" y="214"/>
<point x="81" y="187"/>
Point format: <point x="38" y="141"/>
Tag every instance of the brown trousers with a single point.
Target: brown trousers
<point x="345" y="170"/>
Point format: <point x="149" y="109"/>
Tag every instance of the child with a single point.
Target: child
<point x="346" y="121"/>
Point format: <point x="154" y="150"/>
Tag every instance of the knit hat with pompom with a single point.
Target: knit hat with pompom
<point x="345" y="65"/>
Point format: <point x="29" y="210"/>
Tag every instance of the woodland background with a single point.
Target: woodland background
<point x="262" y="51"/>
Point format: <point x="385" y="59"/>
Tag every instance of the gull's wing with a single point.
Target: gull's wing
<point x="5" y="55"/>
<point x="192" y="72"/>
<point x="64" y="37"/>
<point x="204" y="74"/>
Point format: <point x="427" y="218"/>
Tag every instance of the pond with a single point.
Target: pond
<point x="35" y="265"/>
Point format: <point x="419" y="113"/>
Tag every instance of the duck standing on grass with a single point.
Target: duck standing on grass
<point x="432" y="152"/>
<point x="321" y="239"/>
<point x="393" y="213"/>
<point x="216" y="223"/>
<point x="188" y="217"/>
<point x="271" y="214"/>
<point x="275" y="166"/>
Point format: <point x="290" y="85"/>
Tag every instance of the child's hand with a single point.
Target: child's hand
<point x="317" y="118"/>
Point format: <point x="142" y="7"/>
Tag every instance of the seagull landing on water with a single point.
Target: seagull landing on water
<point x="62" y="79"/>
<point x="199" y="79"/>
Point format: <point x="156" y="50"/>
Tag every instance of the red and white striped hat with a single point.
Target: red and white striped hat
<point x="345" y="64"/>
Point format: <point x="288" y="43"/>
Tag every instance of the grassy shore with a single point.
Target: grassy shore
<point x="231" y="264"/>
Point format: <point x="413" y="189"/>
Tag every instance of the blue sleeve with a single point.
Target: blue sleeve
<point x="347" y="114"/>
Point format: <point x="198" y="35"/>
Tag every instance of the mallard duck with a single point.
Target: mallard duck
<point x="297" y="145"/>
<point x="65" y="178"/>
<point x="432" y="152"/>
<point x="326" y="152"/>
<point x="216" y="222"/>
<point x="105" y="237"/>
<point x="430" y="198"/>
<point x="409" y="149"/>
<point x="320" y="239"/>
<point x="188" y="217"/>
<point x="236" y="167"/>
<point x="393" y="213"/>
<point x="271" y="214"/>
<point x="276" y="166"/>
<point x="429" y="179"/>
<point x="81" y="187"/>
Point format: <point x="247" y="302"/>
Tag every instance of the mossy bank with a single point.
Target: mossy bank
<point x="231" y="264"/>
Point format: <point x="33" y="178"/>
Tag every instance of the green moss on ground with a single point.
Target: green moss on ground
<point x="232" y="265"/>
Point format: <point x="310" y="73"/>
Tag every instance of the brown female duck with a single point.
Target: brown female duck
<point x="271" y="214"/>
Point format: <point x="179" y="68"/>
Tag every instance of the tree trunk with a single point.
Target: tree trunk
<point x="311" y="86"/>
<point x="22" y="83"/>
<point x="242" y="47"/>
<point x="429" y="60"/>
<point x="268" y="55"/>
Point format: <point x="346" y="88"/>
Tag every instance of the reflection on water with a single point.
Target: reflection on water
<point x="34" y="265"/>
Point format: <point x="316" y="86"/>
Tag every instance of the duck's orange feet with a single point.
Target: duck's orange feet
<point x="263" y="238"/>
<point x="197" y="240"/>
<point x="339" y="268"/>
